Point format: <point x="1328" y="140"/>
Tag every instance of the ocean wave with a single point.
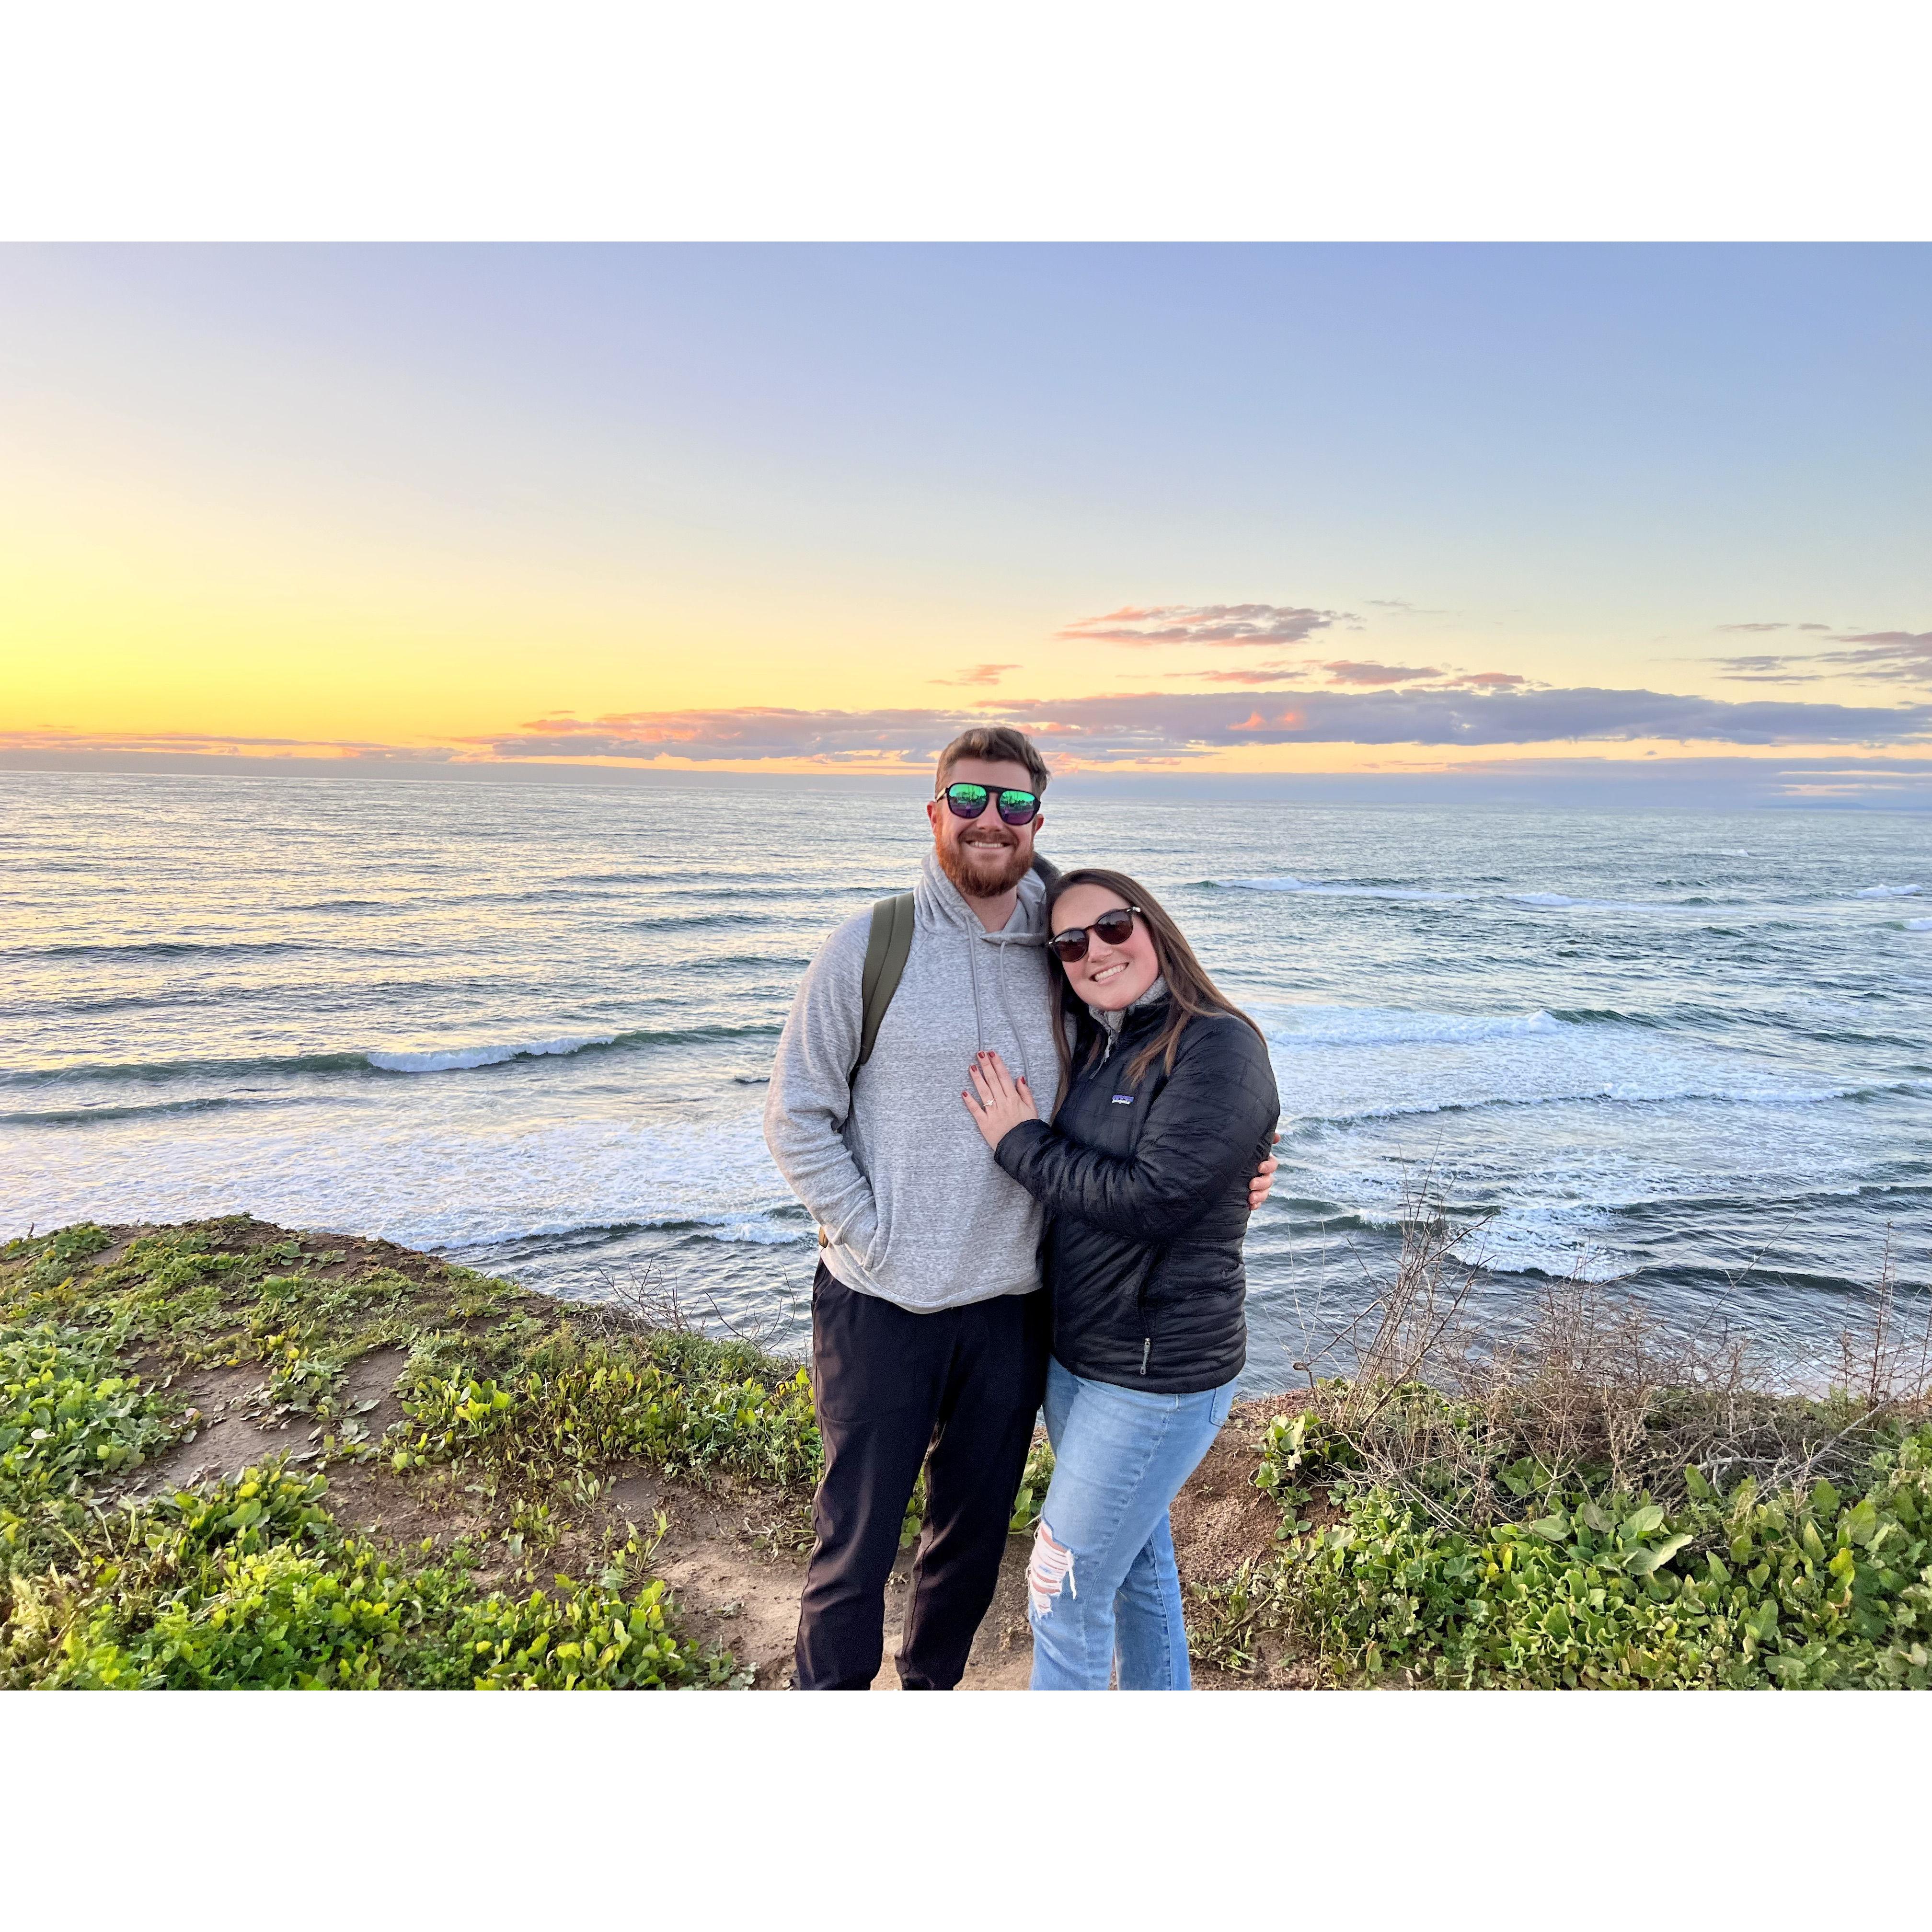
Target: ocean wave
<point x="1371" y="1026"/>
<point x="158" y="1070"/>
<point x="1340" y="889"/>
<point x="1604" y="1016"/>
<point x="380" y="1060"/>
<point x="697" y="921"/>
<point x="1888" y="892"/>
<point x="455" y="1059"/>
<point x="468" y="1184"/>
<point x="88" y="1116"/>
<point x="1347" y="889"/>
<point x="780" y="1228"/>
<point x="1917" y="924"/>
<point x="1623" y="1093"/>
<point x="1562" y="901"/>
<point x="161" y="948"/>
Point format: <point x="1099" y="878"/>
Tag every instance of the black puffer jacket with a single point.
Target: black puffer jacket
<point x="1145" y="1188"/>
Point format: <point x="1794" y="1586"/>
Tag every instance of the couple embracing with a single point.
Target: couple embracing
<point x="1031" y="1131"/>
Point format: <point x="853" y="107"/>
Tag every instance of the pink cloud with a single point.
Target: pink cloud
<point x="1347" y="671"/>
<point x="984" y="673"/>
<point x="1261" y="674"/>
<point x="1239" y="625"/>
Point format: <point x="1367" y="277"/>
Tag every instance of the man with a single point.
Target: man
<point x="929" y="1331"/>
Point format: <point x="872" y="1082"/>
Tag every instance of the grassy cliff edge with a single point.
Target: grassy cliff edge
<point x="232" y="1455"/>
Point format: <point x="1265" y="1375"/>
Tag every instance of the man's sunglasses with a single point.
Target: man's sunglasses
<point x="969" y="801"/>
<point x="1115" y="927"/>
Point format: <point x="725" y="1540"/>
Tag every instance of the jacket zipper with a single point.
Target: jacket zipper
<point x="1140" y="1304"/>
<point x="1140" y="1299"/>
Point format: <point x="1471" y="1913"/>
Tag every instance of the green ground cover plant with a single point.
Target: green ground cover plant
<point x="1594" y="1587"/>
<point x="250" y="1580"/>
<point x="1586" y="1503"/>
<point x="1595" y="1502"/>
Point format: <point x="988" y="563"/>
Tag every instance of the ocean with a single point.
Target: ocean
<point x="529" y="1027"/>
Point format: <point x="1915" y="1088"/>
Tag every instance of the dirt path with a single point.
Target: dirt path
<point x="734" y="1556"/>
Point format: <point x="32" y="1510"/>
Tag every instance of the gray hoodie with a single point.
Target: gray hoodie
<point x="890" y="1164"/>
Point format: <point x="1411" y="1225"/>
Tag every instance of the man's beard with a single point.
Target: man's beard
<point x="975" y="882"/>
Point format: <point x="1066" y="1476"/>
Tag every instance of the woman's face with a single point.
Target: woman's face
<point x="1110" y="977"/>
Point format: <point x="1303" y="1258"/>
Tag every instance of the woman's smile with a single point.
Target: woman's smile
<point x="1109" y="975"/>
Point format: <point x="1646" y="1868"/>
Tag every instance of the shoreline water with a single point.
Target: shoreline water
<point x="529" y="1028"/>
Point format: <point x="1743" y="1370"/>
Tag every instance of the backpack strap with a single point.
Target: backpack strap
<point x="887" y="946"/>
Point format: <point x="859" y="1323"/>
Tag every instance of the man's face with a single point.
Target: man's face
<point x="983" y="856"/>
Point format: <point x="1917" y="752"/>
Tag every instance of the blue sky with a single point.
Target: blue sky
<point x="500" y="502"/>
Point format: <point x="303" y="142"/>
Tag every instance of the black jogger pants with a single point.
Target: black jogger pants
<point x="963" y="1386"/>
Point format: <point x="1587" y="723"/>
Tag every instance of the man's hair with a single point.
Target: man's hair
<point x="996" y="744"/>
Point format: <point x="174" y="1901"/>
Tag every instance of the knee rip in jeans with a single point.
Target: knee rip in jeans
<point x="1050" y="1566"/>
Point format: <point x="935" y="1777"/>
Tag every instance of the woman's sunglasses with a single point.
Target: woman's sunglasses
<point x="1115" y="927"/>
<point x="969" y="801"/>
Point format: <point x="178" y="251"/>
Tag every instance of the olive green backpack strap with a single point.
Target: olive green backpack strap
<point x="887" y="946"/>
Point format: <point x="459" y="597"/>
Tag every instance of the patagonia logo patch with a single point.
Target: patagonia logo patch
<point x="1124" y="1099"/>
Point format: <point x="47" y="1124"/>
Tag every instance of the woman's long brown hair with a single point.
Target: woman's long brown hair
<point x="1189" y="991"/>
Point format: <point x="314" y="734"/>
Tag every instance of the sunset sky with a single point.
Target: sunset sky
<point x="1186" y="508"/>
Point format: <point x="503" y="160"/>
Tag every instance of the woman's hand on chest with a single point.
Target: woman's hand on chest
<point x="998" y="1102"/>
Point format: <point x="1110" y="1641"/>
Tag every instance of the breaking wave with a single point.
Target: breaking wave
<point x="382" y="1060"/>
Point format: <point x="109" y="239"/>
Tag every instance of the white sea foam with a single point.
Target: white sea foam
<point x="1918" y="925"/>
<point x="448" y="1059"/>
<point x="1320" y="1026"/>
<point x="1888" y="892"/>
<point x="1337" y="1065"/>
<point x="470" y="1184"/>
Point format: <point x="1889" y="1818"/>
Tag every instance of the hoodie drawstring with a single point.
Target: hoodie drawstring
<point x="1006" y="1012"/>
<point x="973" y="967"/>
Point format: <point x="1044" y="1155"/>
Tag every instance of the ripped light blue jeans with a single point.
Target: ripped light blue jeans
<point x="1102" y="1578"/>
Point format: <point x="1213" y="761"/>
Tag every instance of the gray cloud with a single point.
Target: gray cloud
<point x="1189" y="724"/>
<point x="1121" y="727"/>
<point x="750" y="732"/>
<point x="1765" y="668"/>
<point x="1905" y="655"/>
<point x="1891" y="657"/>
<point x="1225" y="625"/>
<point x="1171" y="727"/>
<point x="1347" y="671"/>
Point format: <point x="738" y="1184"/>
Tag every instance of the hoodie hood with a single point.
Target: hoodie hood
<point x="937" y="902"/>
<point x="940" y="908"/>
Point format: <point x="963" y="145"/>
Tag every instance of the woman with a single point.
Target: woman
<point x="1167" y="1100"/>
